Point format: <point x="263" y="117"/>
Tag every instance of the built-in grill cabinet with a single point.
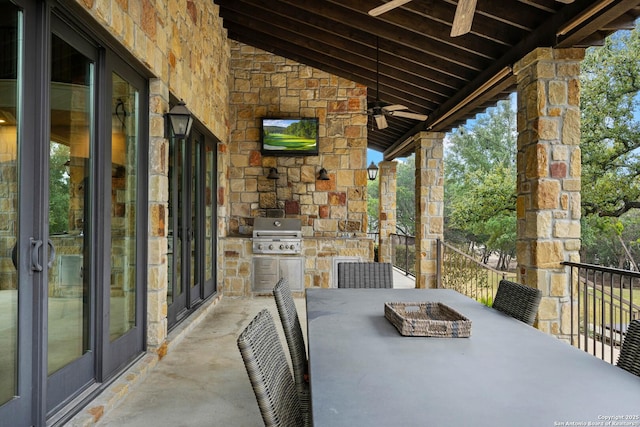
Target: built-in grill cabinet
<point x="277" y="244"/>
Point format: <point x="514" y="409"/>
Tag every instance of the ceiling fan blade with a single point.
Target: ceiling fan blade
<point x="409" y="115"/>
<point x="463" y="18"/>
<point x="387" y="7"/>
<point x="381" y="121"/>
<point x="394" y="107"/>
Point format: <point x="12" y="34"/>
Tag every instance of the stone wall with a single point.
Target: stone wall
<point x="429" y="150"/>
<point x="266" y="85"/>
<point x="548" y="185"/>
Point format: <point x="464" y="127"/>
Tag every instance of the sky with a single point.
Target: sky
<point x="373" y="156"/>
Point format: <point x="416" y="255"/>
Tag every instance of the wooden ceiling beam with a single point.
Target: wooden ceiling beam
<point x="419" y="43"/>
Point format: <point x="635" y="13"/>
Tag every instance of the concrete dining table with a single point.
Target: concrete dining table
<point x="363" y="372"/>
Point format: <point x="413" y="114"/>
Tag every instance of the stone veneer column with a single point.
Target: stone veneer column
<point x="387" y="209"/>
<point x="429" y="149"/>
<point x="158" y="218"/>
<point x="549" y="167"/>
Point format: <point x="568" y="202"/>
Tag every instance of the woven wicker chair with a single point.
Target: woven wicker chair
<point x="295" y="341"/>
<point x="629" y="358"/>
<point x="518" y="301"/>
<point x="365" y="275"/>
<point x="269" y="373"/>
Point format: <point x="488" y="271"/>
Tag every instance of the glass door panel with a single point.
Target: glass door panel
<point x="210" y="222"/>
<point x="69" y="185"/>
<point x="194" y="227"/>
<point x="175" y="289"/>
<point x="124" y="154"/>
<point x="192" y="224"/>
<point x="10" y="28"/>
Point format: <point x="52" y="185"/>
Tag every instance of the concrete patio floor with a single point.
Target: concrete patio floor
<point x="202" y="381"/>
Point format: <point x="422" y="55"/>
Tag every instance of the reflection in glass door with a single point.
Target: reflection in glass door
<point x="10" y="28"/>
<point x="176" y="297"/>
<point x="124" y="155"/>
<point x="69" y="302"/>
<point x="194" y="226"/>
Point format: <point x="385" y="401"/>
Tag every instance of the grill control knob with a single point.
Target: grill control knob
<point x="260" y="246"/>
<point x="270" y="246"/>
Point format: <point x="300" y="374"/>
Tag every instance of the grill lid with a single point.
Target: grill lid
<point x="267" y="228"/>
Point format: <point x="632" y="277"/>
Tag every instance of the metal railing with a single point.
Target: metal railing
<point x="403" y="253"/>
<point x="602" y="307"/>
<point x="462" y="272"/>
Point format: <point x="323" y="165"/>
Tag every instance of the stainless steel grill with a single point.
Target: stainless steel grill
<point x="277" y="236"/>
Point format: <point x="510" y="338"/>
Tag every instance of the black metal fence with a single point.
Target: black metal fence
<point x="604" y="302"/>
<point x="404" y="253"/>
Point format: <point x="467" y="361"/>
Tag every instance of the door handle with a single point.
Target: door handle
<point x="35" y="254"/>
<point x="35" y="249"/>
<point x="52" y="253"/>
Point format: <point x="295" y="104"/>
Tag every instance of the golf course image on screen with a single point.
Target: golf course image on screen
<point x="290" y="135"/>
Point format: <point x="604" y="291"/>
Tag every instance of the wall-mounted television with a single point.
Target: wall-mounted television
<point x="289" y="136"/>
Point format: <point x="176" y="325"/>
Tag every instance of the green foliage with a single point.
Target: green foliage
<point x="58" y="189"/>
<point x="611" y="241"/>
<point x="462" y="275"/>
<point x="486" y="300"/>
<point x="480" y="177"/>
<point x="406" y="196"/>
<point x="373" y="205"/>
<point x="610" y="140"/>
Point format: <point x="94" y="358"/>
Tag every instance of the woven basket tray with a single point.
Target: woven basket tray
<point x="427" y="319"/>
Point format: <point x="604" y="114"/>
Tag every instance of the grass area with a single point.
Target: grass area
<point x="611" y="312"/>
<point x="274" y="141"/>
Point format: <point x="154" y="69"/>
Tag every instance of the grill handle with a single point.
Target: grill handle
<point x="277" y="236"/>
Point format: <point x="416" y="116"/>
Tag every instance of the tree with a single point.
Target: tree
<point x="59" y="189"/>
<point x="610" y="141"/>
<point x="480" y="176"/>
<point x="406" y="196"/>
<point x="373" y="205"/>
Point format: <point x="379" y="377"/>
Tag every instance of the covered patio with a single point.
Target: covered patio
<point x="168" y="395"/>
<point x="395" y="80"/>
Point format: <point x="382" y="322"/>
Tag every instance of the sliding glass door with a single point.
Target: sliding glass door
<point x="192" y="223"/>
<point x="73" y="197"/>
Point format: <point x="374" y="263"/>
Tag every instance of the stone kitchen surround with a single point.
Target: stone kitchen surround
<point x="334" y="212"/>
<point x="318" y="256"/>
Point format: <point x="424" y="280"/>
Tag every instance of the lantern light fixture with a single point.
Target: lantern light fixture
<point x="372" y="170"/>
<point x="179" y="120"/>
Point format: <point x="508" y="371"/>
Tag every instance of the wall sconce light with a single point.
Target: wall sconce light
<point x="121" y="113"/>
<point x="179" y="121"/>
<point x="323" y="175"/>
<point x="372" y="170"/>
<point x="273" y="173"/>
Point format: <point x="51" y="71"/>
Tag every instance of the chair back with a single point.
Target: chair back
<point x="629" y="358"/>
<point x="269" y="373"/>
<point x="295" y="340"/>
<point x="518" y="301"/>
<point x="365" y="275"/>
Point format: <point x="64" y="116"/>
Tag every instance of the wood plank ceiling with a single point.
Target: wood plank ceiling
<point x="420" y="66"/>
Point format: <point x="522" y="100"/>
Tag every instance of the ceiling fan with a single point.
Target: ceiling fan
<point x="379" y="110"/>
<point x="462" y="20"/>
